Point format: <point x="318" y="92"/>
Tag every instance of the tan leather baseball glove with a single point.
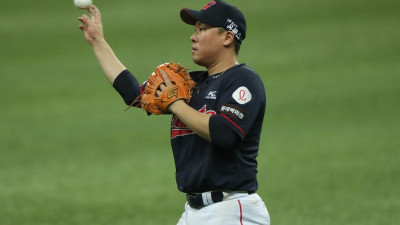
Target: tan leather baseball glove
<point x="181" y="89"/>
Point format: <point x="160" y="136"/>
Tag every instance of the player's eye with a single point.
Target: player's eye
<point x="199" y="29"/>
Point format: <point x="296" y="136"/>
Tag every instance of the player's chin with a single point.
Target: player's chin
<point x="199" y="61"/>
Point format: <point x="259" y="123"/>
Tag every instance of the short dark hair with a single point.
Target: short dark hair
<point x="236" y="43"/>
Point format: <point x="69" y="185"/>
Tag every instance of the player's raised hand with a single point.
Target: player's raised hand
<point x="92" y="26"/>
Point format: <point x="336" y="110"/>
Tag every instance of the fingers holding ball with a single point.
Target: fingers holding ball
<point x="83" y="4"/>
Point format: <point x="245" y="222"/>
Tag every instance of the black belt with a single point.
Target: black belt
<point x="196" y="200"/>
<point x="200" y="200"/>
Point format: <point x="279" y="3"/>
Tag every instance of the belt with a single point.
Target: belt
<point x="200" y="200"/>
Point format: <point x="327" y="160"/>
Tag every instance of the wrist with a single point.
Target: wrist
<point x="175" y="106"/>
<point x="99" y="41"/>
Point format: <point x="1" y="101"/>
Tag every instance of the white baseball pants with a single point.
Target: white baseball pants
<point x="235" y="209"/>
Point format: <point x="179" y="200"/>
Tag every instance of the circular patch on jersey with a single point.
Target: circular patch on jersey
<point x="242" y="95"/>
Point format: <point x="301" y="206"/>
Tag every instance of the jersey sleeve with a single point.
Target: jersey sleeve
<point x="221" y="135"/>
<point x="242" y="101"/>
<point x="128" y="87"/>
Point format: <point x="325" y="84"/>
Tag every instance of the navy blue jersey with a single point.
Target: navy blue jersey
<point x="237" y="97"/>
<point x="236" y="100"/>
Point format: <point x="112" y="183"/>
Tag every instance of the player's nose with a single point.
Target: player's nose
<point x="193" y="38"/>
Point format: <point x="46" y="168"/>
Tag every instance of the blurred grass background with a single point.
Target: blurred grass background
<point x="330" y="145"/>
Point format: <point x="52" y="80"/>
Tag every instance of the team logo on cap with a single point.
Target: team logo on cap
<point x="209" y="5"/>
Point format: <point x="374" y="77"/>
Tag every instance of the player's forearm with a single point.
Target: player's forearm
<point x="195" y="120"/>
<point x="108" y="61"/>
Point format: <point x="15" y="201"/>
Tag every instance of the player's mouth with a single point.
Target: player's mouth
<point x="194" y="50"/>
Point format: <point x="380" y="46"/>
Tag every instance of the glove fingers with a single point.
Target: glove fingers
<point x="167" y="76"/>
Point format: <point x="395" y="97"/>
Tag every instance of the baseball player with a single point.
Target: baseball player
<point x="215" y="136"/>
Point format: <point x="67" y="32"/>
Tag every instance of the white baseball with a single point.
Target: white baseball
<point x="82" y="4"/>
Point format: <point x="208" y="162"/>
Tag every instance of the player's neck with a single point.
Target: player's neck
<point x="222" y="66"/>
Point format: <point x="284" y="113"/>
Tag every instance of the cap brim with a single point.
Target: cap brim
<point x="189" y="16"/>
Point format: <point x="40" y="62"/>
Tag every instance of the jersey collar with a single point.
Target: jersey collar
<point x="217" y="75"/>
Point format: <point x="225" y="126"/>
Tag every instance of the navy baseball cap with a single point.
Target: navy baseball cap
<point x="220" y="14"/>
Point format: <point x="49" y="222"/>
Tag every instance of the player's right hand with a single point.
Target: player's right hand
<point x="92" y="26"/>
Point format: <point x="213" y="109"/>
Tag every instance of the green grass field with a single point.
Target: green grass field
<point x="70" y="155"/>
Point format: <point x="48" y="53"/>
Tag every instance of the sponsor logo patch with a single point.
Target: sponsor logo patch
<point x="233" y="111"/>
<point x="242" y="95"/>
<point x="212" y="95"/>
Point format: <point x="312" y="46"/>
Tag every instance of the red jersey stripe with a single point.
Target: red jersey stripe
<point x="240" y="129"/>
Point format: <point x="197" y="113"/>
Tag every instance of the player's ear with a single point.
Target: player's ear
<point x="229" y="38"/>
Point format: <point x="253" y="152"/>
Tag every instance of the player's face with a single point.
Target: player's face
<point x="207" y="43"/>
